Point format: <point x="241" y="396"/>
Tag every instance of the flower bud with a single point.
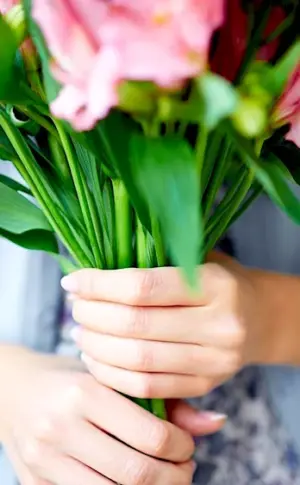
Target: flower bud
<point x="250" y="118"/>
<point x="15" y="18"/>
<point x="137" y="98"/>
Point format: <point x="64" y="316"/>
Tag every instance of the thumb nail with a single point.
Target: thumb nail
<point x="212" y="416"/>
<point x="68" y="283"/>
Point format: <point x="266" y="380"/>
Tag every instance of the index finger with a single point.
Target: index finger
<point x="137" y="287"/>
<point x="137" y="428"/>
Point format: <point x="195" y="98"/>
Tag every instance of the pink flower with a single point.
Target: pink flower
<point x="6" y="5"/>
<point x="288" y="107"/>
<point x="233" y="39"/>
<point x="96" y="44"/>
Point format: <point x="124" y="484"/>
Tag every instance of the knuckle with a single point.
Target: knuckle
<point x="87" y="282"/>
<point x="205" y="386"/>
<point x="234" y="363"/>
<point x="143" y="284"/>
<point x="137" y="321"/>
<point x="160" y="439"/>
<point x="238" y="332"/>
<point x="222" y="278"/>
<point x="140" y="472"/>
<point x="144" y="386"/>
<point x="48" y="429"/>
<point x="232" y="330"/>
<point x="215" y="272"/>
<point x="76" y="393"/>
<point x="195" y="356"/>
<point x="143" y="357"/>
<point x="31" y="453"/>
<point x="77" y="311"/>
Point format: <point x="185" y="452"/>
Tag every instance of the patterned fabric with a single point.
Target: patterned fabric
<point x="253" y="448"/>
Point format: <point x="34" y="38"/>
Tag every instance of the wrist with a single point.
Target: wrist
<point x="274" y="331"/>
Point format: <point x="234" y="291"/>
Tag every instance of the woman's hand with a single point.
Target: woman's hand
<point x="60" y="426"/>
<point x="143" y="333"/>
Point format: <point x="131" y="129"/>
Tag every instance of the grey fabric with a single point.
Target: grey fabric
<point x="29" y="300"/>
<point x="267" y="239"/>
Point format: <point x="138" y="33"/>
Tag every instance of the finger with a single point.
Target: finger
<point x="146" y="385"/>
<point x="60" y="469"/>
<point x="99" y="452"/>
<point x="23" y="472"/>
<point x="198" y="423"/>
<point x="138" y="428"/>
<point x="146" y="356"/>
<point x="205" y="325"/>
<point x="138" y="287"/>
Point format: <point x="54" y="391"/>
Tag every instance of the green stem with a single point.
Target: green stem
<point x="254" y="43"/>
<point x="156" y="406"/>
<point x="226" y="201"/>
<point x="29" y="170"/>
<point x="257" y="191"/>
<point x="141" y="245"/>
<point x="153" y="129"/>
<point x="107" y="214"/>
<point x="217" y="180"/>
<point x="201" y="146"/>
<point x="214" y="143"/>
<point x="158" y="243"/>
<point x="39" y="119"/>
<point x="221" y="228"/>
<point x="285" y="24"/>
<point x="84" y="197"/>
<point x="123" y="221"/>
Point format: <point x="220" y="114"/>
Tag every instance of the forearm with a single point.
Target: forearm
<point x="276" y="332"/>
<point x="15" y="362"/>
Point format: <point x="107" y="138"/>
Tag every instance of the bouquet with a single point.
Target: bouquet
<point x="143" y="130"/>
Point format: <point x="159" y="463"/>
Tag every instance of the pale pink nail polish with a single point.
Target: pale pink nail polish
<point x="68" y="283"/>
<point x="212" y="416"/>
<point x="86" y="359"/>
<point x="75" y="334"/>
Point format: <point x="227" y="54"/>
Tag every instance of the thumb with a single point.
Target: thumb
<point x="195" y="422"/>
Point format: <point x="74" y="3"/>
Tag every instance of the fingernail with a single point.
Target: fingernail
<point x="68" y="283"/>
<point x="194" y="466"/>
<point x="212" y="416"/>
<point x="86" y="359"/>
<point x="75" y="334"/>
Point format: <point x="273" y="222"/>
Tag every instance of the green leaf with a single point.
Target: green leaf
<point x="18" y="214"/>
<point x="284" y="68"/>
<point x="274" y="178"/>
<point x="113" y="135"/>
<point x="8" y="48"/>
<point x="165" y="173"/>
<point x="65" y="264"/>
<point x="289" y="154"/>
<point x="7" y="151"/>
<point x="39" y="240"/>
<point x="13" y="184"/>
<point x="219" y="99"/>
<point x="52" y="87"/>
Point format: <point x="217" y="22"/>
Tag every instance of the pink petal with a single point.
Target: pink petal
<point x="70" y="106"/>
<point x="294" y="133"/>
<point x="67" y="40"/>
<point x="102" y="86"/>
